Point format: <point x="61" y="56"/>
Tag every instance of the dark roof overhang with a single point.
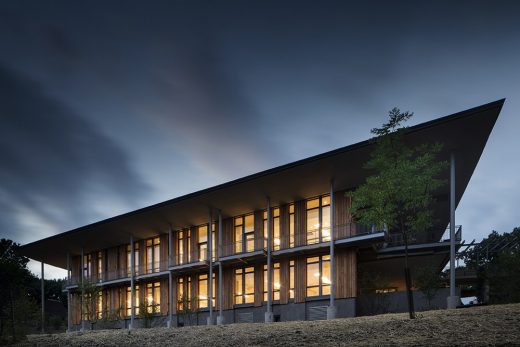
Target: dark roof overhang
<point x="464" y="133"/>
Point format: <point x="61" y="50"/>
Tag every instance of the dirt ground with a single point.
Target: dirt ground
<point x="476" y="326"/>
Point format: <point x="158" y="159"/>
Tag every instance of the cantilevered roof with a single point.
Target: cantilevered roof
<point x="464" y="133"/>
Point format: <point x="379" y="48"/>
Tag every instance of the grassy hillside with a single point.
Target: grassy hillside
<point x="476" y="326"/>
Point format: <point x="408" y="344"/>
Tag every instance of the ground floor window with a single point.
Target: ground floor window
<point x="244" y="285"/>
<point x="275" y="282"/>
<point x="153" y="297"/>
<point x="184" y="298"/>
<point x="99" y="305"/>
<point x="291" y="279"/>
<point x="129" y="300"/>
<point x="318" y="276"/>
<point x="203" y="290"/>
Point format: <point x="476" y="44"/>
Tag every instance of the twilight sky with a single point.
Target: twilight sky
<point x="109" y="106"/>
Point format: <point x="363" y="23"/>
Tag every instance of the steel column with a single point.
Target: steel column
<point x="132" y="286"/>
<point x="453" y="299"/>
<point x="269" y="313"/>
<point x="220" y="318"/>
<point x="82" y="288"/>
<point x="331" y="310"/>
<point x="43" y="299"/>
<point x="170" y="280"/>
<point x="210" y="279"/>
<point x="69" y="308"/>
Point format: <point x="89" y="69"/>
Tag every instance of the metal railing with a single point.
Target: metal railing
<point x="249" y="245"/>
<point x="396" y="239"/>
<point x="194" y="256"/>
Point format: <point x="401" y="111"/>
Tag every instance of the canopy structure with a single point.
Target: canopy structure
<point x="464" y="133"/>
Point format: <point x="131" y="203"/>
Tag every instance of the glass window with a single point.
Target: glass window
<point x="203" y="242"/>
<point x="153" y="297"/>
<point x="318" y="220"/>
<point x="153" y="254"/>
<point x="275" y="229"/>
<point x="318" y="276"/>
<point x="99" y="305"/>
<point x="291" y="225"/>
<point x="291" y="279"/>
<point x="100" y="266"/>
<point x="180" y="247"/>
<point x="244" y="285"/>
<point x="87" y="266"/>
<point x="245" y="234"/>
<point x="203" y="291"/>
<point x="129" y="300"/>
<point x="276" y="285"/>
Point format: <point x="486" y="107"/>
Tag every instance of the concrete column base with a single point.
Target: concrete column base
<point x="269" y="318"/>
<point x="331" y="312"/>
<point x="209" y="321"/>
<point x="169" y="324"/>
<point x="453" y="301"/>
<point x="220" y="320"/>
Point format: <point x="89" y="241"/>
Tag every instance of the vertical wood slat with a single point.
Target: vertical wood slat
<point x="164" y="296"/>
<point x="123" y="266"/>
<point x="259" y="230"/>
<point x="185" y="245"/>
<point x="75" y="268"/>
<point x="227" y="237"/>
<point x="300" y="280"/>
<point x="163" y="266"/>
<point x="300" y="234"/>
<point x="194" y="244"/>
<point x="284" y="281"/>
<point x="112" y="263"/>
<point x="342" y="217"/>
<point x="93" y="267"/>
<point x="227" y="287"/>
<point x="345" y="273"/>
<point x="284" y="227"/>
<point x="174" y="294"/>
<point x="142" y="257"/>
<point x="259" y="284"/>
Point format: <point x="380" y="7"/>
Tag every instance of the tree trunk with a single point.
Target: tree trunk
<point x="12" y="313"/>
<point x="408" y="279"/>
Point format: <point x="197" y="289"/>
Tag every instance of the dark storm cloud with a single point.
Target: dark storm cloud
<point x="53" y="162"/>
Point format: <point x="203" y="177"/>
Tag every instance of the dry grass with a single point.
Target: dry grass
<point x="477" y="326"/>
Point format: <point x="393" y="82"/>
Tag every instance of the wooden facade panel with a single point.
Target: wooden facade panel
<point x="194" y="244"/>
<point x="284" y="281"/>
<point x="75" y="267"/>
<point x="227" y="237"/>
<point x="300" y="283"/>
<point x="142" y="256"/>
<point x="284" y="226"/>
<point x="227" y="287"/>
<point x="342" y="219"/>
<point x="123" y="265"/>
<point x="259" y="230"/>
<point x="112" y="263"/>
<point x="164" y="252"/>
<point x="259" y="284"/>
<point x="300" y="223"/>
<point x="164" y="296"/>
<point x="345" y="273"/>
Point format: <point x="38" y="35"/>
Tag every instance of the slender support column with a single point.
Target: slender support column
<point x="453" y="299"/>
<point x="132" y="285"/>
<point x="43" y="300"/>
<point x="210" y="278"/>
<point x="169" y="324"/>
<point x="82" y="289"/>
<point x="331" y="310"/>
<point x="269" y="313"/>
<point x="220" y="317"/>
<point x="69" y="308"/>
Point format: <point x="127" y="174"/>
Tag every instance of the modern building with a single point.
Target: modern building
<point x="278" y="245"/>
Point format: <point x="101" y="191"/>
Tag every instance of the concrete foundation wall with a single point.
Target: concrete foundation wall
<point x="369" y="304"/>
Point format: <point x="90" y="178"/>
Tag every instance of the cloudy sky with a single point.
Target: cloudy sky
<point x="108" y="106"/>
